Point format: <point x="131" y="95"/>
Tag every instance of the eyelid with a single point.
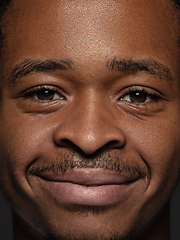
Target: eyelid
<point x="154" y="94"/>
<point x="34" y="90"/>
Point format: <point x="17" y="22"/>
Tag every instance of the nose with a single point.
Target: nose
<point x="89" y="128"/>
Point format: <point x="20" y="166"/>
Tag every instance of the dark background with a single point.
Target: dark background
<point x="6" y="221"/>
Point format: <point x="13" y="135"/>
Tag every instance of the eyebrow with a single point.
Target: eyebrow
<point x="30" y="66"/>
<point x="149" y="66"/>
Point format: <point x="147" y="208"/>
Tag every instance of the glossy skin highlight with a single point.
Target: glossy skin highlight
<point x="90" y="112"/>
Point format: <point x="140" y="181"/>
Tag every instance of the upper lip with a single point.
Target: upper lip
<point x="89" y="177"/>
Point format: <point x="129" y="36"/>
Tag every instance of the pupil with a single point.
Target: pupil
<point x="138" y="97"/>
<point x="45" y="94"/>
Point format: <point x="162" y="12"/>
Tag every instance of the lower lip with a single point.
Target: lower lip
<point x="72" y="193"/>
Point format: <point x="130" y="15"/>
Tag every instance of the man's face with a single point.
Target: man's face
<point x="90" y="113"/>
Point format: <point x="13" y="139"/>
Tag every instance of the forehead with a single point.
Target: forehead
<point x="85" y="31"/>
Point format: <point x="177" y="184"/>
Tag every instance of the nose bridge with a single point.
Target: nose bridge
<point x="91" y="125"/>
<point x="90" y="116"/>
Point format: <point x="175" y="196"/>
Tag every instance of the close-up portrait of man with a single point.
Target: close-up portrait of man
<point x="89" y="117"/>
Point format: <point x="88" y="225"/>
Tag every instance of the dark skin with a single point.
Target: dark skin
<point x="90" y="112"/>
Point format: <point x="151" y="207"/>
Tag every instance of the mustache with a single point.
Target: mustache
<point x="107" y="161"/>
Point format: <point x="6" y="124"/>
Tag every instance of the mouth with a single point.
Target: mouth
<point x="91" y="187"/>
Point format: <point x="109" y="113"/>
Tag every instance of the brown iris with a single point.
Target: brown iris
<point x="138" y="97"/>
<point x="45" y="94"/>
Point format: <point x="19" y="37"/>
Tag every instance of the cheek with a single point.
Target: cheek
<point x="21" y="142"/>
<point x="159" y="147"/>
<point x="157" y="144"/>
<point x="24" y="140"/>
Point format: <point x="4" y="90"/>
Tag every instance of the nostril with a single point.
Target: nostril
<point x="89" y="141"/>
<point x="67" y="143"/>
<point x="115" y="144"/>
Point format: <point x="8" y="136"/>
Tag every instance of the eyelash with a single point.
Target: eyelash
<point x="32" y="91"/>
<point x="154" y="97"/>
<point x="149" y="96"/>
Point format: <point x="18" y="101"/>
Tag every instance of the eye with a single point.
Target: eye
<point x="137" y="97"/>
<point x="140" y="96"/>
<point x="44" y="93"/>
